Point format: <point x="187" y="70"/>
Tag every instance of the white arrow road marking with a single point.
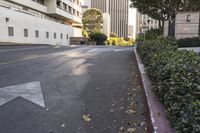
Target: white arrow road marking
<point x="30" y="91"/>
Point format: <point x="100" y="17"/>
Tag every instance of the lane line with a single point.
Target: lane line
<point x="20" y="49"/>
<point x="22" y="59"/>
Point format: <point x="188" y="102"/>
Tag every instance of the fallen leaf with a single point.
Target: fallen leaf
<point x="86" y="118"/>
<point x="63" y="125"/>
<point x="130" y="111"/>
<point x="131" y="130"/>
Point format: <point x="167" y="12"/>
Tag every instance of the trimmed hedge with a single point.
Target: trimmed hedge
<point x="98" y="37"/>
<point x="189" y="42"/>
<point x="120" y="42"/>
<point x="175" y="77"/>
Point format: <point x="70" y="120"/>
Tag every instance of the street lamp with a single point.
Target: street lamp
<point x="148" y="21"/>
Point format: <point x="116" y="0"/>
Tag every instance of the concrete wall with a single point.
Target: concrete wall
<point x="184" y="28"/>
<point x="21" y="21"/>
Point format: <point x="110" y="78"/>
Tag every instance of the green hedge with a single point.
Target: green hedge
<point x="175" y="77"/>
<point x="120" y="42"/>
<point x="189" y="42"/>
<point x="98" y="37"/>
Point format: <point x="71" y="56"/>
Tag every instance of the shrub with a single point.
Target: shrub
<point x="189" y="42"/>
<point x="98" y="37"/>
<point x="140" y="38"/>
<point x="120" y="42"/>
<point x="175" y="77"/>
<point x="112" y="34"/>
<point x="153" y="34"/>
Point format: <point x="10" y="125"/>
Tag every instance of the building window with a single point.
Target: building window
<point x="54" y="35"/>
<point x="25" y="8"/>
<point x="58" y="3"/>
<point x="70" y="9"/>
<point x="67" y="36"/>
<point x="10" y="31"/>
<point x="189" y="18"/>
<point x="37" y="34"/>
<point x="74" y="12"/>
<point x="25" y="32"/>
<point x="61" y="36"/>
<point x="47" y="34"/>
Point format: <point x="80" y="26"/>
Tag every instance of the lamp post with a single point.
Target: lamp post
<point x="148" y="21"/>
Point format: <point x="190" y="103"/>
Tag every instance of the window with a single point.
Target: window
<point x="70" y="9"/>
<point x="61" y="36"/>
<point x="10" y="31"/>
<point x="58" y="3"/>
<point x="25" y="32"/>
<point x="36" y="33"/>
<point x="25" y="8"/>
<point x="54" y="35"/>
<point x="74" y="12"/>
<point x="67" y="36"/>
<point x="188" y="18"/>
<point x="47" y="34"/>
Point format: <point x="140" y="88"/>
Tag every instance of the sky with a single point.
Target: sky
<point x="132" y="19"/>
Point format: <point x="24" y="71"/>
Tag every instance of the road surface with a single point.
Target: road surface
<point x="47" y="89"/>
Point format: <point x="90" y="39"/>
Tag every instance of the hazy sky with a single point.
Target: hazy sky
<point x="132" y="18"/>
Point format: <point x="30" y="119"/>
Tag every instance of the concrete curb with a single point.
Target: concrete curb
<point x="157" y="117"/>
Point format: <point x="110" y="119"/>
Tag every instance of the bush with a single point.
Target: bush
<point x="189" y="42"/>
<point x="175" y="77"/>
<point x="112" y="34"/>
<point x="98" y="37"/>
<point x="153" y="34"/>
<point x="120" y="42"/>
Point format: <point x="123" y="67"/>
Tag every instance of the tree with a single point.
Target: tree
<point x="165" y="9"/>
<point x="92" y="21"/>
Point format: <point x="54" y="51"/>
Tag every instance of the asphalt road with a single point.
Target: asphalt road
<point x="99" y="82"/>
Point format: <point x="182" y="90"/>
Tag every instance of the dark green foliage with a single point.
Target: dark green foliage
<point x="165" y="9"/>
<point x="153" y="34"/>
<point x="175" y="77"/>
<point x="98" y="37"/>
<point x="189" y="42"/>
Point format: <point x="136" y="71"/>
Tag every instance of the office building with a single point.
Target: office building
<point x="39" y="21"/>
<point x="144" y="22"/>
<point x="118" y="10"/>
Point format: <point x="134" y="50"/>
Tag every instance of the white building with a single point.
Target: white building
<point x="39" y="21"/>
<point x="144" y="22"/>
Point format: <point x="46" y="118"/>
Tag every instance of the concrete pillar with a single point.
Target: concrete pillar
<point x="106" y="24"/>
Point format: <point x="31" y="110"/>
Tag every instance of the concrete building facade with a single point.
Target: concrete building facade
<point x="39" y="21"/>
<point x="118" y="10"/>
<point x="144" y="22"/>
<point x="187" y="25"/>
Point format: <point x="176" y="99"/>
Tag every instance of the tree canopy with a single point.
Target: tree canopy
<point x="165" y="9"/>
<point x="92" y="20"/>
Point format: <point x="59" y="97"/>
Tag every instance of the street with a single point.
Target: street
<point x="48" y="89"/>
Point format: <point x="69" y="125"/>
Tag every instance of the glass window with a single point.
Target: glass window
<point x="47" y="34"/>
<point x="54" y="35"/>
<point x="36" y="33"/>
<point x="10" y="31"/>
<point x="25" y="32"/>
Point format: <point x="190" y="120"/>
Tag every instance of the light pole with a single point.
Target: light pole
<point x="148" y="21"/>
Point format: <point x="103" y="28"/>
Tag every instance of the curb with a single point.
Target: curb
<point x="156" y="115"/>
